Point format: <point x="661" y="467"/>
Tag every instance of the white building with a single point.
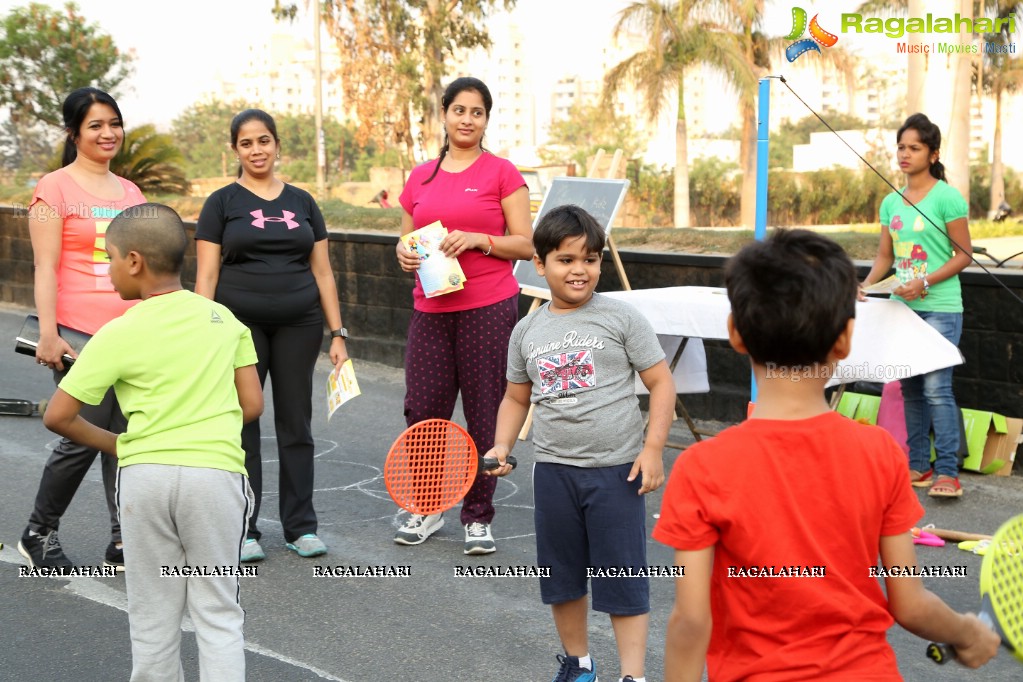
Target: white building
<point x="279" y="76"/>
<point x="512" y="130"/>
<point x="828" y="150"/>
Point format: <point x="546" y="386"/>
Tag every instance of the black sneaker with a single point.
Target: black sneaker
<point x="43" y="551"/>
<point x="570" y="671"/>
<point x="115" y="557"/>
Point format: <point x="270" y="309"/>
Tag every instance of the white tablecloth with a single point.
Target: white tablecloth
<point x="890" y="341"/>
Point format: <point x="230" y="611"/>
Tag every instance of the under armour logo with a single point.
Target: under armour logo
<point x="215" y="318"/>
<point x="261" y="222"/>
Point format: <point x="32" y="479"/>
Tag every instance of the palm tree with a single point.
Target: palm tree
<point x="941" y="87"/>
<point x="151" y="161"/>
<point x="147" y="158"/>
<point x="743" y="18"/>
<point x="677" y="40"/>
<point x="1002" y="73"/>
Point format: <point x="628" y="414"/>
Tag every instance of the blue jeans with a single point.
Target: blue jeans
<point x="929" y="402"/>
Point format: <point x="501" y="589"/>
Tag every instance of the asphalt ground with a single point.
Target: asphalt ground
<point x="430" y="626"/>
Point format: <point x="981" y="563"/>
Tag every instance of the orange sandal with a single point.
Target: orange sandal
<point x="946" y="486"/>
<point x="921" y="479"/>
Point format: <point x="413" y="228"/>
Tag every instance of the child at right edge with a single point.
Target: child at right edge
<point x="779" y="521"/>
<point x="575" y="359"/>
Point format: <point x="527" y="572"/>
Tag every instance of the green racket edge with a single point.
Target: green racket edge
<point x="1010" y="535"/>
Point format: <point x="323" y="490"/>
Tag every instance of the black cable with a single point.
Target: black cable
<point x="894" y="189"/>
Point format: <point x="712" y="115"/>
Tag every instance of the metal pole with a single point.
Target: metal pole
<point x="763" y="132"/>
<point x="321" y="151"/>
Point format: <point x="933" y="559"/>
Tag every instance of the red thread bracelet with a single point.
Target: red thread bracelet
<point x="491" y="240"/>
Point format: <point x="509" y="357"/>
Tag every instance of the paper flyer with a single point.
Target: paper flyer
<point x="342" y="386"/>
<point x="885" y="286"/>
<point x="437" y="273"/>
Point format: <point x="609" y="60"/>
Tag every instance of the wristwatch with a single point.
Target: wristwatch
<point x="339" y="333"/>
<point x="927" y="287"/>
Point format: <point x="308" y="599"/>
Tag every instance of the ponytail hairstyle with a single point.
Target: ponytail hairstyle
<point x="75" y="108"/>
<point x="930" y="135"/>
<point x="252" y="115"/>
<point x="458" y="86"/>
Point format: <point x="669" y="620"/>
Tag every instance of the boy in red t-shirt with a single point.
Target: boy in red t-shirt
<point x="779" y="521"/>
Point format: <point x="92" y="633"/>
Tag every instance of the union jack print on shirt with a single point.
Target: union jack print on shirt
<point x="566" y="371"/>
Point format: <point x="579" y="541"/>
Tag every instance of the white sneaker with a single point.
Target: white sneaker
<point x="417" y="528"/>
<point x="478" y="539"/>
<point x="252" y="552"/>
<point x="309" y="545"/>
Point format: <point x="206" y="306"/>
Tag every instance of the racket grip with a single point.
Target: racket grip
<point x="491" y="463"/>
<point x="941" y="653"/>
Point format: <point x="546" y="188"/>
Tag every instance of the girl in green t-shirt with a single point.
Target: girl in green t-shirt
<point x="925" y="234"/>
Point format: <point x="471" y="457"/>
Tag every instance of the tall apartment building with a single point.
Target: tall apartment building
<point x="512" y="131"/>
<point x="279" y="76"/>
<point x="570" y="91"/>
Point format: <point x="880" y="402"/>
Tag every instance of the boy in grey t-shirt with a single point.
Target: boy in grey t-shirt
<point x="575" y="360"/>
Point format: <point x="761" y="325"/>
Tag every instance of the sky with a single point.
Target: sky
<point x="181" y="47"/>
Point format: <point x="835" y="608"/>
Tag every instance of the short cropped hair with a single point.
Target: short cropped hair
<point x="567" y="221"/>
<point x="153" y="230"/>
<point x="791" y="295"/>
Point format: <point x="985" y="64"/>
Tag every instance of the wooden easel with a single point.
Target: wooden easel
<point x="612" y="172"/>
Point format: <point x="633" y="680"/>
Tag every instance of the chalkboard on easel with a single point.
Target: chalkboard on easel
<point x="599" y="197"/>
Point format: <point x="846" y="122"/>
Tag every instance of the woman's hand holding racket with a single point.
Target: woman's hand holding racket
<point x="1001" y="598"/>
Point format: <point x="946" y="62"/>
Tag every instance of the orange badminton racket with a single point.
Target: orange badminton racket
<point x="432" y="465"/>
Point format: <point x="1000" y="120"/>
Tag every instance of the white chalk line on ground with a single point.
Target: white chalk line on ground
<point x="95" y="591"/>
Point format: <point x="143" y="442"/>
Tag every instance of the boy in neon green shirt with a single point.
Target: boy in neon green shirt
<point x="183" y="370"/>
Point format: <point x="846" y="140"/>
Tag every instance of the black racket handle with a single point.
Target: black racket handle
<point x="941" y="653"/>
<point x="491" y="463"/>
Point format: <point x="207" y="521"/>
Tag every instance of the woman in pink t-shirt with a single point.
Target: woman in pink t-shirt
<point x="458" y="342"/>
<point x="68" y="218"/>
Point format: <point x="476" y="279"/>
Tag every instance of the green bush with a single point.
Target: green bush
<point x="980" y="190"/>
<point x="654" y="192"/>
<point x="826" y="197"/>
<point x="713" y="192"/>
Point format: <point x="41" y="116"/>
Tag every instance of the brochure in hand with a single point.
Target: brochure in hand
<point x="885" y="286"/>
<point x="342" y="386"/>
<point x="438" y="274"/>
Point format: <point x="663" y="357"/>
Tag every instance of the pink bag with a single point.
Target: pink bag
<point x="892" y="415"/>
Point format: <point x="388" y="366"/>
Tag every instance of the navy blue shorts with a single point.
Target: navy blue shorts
<point x="590" y="518"/>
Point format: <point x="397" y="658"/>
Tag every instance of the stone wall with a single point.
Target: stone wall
<point x="376" y="305"/>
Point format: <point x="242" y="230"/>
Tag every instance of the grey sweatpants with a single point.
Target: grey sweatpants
<point x="175" y="516"/>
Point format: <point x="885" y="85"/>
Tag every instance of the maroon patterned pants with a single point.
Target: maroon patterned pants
<point x="462" y="352"/>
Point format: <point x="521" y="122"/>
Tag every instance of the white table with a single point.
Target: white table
<point x="889" y="342"/>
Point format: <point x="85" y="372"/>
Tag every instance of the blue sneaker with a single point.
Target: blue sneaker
<point x="308" y="545"/>
<point x="571" y="672"/>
